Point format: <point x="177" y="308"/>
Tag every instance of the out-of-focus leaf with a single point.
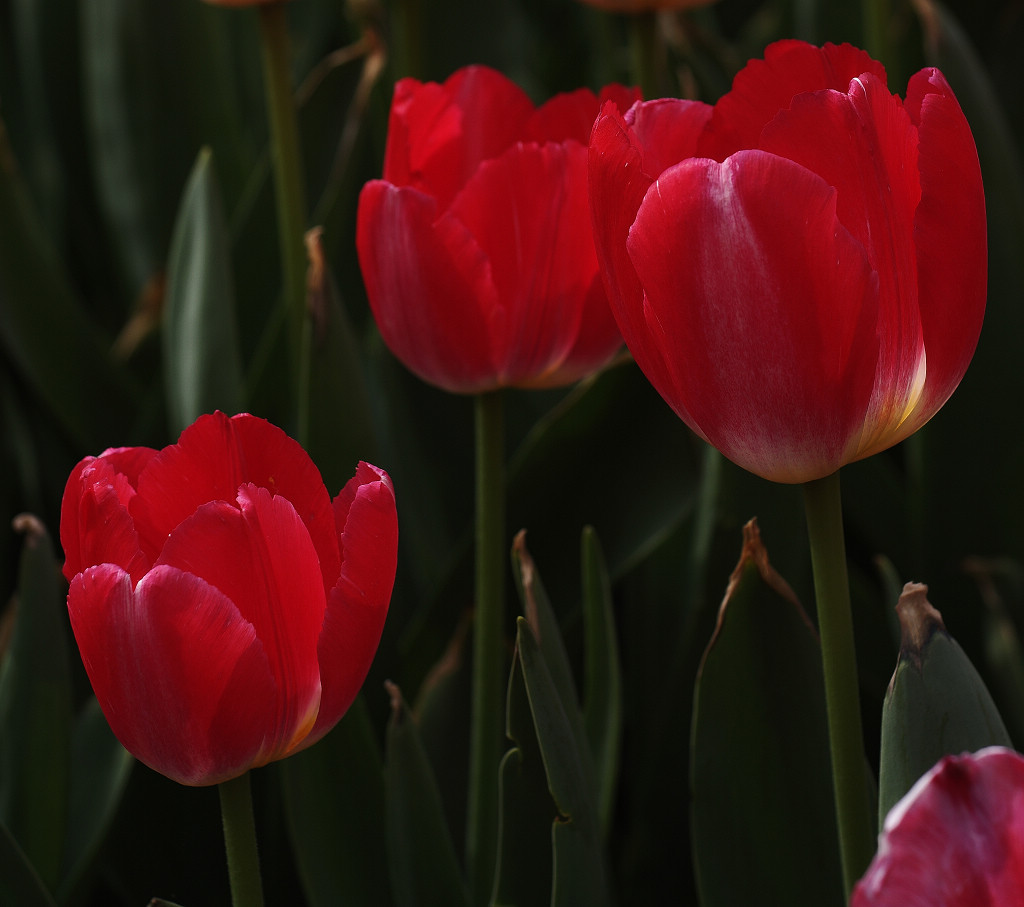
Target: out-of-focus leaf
<point x="19" y="883"/>
<point x="763" y="819"/>
<point x="100" y="767"/>
<point x="150" y="107"/>
<point x="202" y="362"/>
<point x="340" y="429"/>
<point x="937" y="704"/>
<point x="35" y="710"/>
<point x="334" y="801"/>
<point x="602" y="691"/>
<point x="580" y="873"/>
<point x="424" y="868"/>
<point x="44" y="332"/>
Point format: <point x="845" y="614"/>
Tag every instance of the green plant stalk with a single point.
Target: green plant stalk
<point x="489" y="673"/>
<point x="823" y="505"/>
<point x="240" y="842"/>
<point x="645" y="50"/>
<point x="290" y="199"/>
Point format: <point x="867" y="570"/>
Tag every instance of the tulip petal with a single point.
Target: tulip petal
<point x="368" y="528"/>
<point x="429" y="286"/>
<point x="951" y="236"/>
<point x="770" y="306"/>
<point x="528" y="210"/>
<point x="439" y="134"/>
<point x="864" y="144"/>
<point x="955" y="840"/>
<point x="95" y="525"/>
<point x="260" y="556"/>
<point x="212" y="459"/>
<point x="622" y="165"/>
<point x="764" y="87"/>
<point x="180" y="676"/>
<point x="570" y="116"/>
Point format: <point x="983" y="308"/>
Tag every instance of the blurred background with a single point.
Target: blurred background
<point x="107" y="107"/>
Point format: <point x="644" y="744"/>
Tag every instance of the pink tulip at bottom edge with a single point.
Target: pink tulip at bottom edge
<point x="955" y="840"/>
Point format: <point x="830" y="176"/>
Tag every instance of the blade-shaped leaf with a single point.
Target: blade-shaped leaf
<point x="424" y="868"/>
<point x="602" y="694"/>
<point x="35" y="710"/>
<point x="334" y="800"/>
<point x="100" y="767"/>
<point x="19" y="883"/>
<point x="762" y="813"/>
<point x="202" y="361"/>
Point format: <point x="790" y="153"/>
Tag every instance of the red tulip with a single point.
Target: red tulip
<point x="476" y="247"/>
<point x="226" y="611"/>
<point x="955" y="840"/>
<point x="799" y="270"/>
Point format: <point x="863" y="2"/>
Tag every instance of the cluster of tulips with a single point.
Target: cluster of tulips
<point x="799" y="270"/>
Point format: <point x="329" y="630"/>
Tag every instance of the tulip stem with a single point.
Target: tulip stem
<point x="240" y="842"/>
<point x="823" y="505"/>
<point x="489" y="671"/>
<point x="291" y="201"/>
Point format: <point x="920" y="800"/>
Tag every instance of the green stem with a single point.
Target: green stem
<point x="489" y="672"/>
<point x="240" y="842"/>
<point x="645" y="50"/>
<point x="290" y="197"/>
<point x="823" y="504"/>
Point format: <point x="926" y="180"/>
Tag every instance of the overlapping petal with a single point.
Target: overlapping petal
<point x="955" y="840"/>
<point x="476" y="246"/>
<point x="209" y="660"/>
<point x="796" y="343"/>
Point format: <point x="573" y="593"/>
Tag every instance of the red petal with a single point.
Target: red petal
<point x="760" y="312"/>
<point x="95" y="525"/>
<point x="260" y="557"/>
<point x="864" y="144"/>
<point x="429" y="286"/>
<point x="955" y="840"/>
<point x="950" y="234"/>
<point x="439" y="134"/>
<point x="571" y="115"/>
<point x="212" y="459"/>
<point x="529" y="212"/>
<point x="368" y="527"/>
<point x="180" y="676"/>
<point x="764" y="87"/>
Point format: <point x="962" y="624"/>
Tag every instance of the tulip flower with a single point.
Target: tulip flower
<point x="475" y="247"/>
<point x="226" y="610"/>
<point x="955" y="840"/>
<point x="799" y="270"/>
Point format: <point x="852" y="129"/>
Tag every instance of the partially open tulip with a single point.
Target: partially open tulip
<point x="955" y="840"/>
<point x="227" y="611"/>
<point x="476" y="246"/>
<point x="799" y="270"/>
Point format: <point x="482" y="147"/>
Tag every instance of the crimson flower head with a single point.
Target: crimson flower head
<point x="476" y="246"/>
<point x="799" y="270"/>
<point x="955" y="840"/>
<point x="227" y="611"/>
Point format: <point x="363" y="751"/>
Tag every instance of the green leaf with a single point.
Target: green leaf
<point x="580" y="874"/>
<point x="937" y="704"/>
<point x="424" y="868"/>
<point x="100" y="768"/>
<point x="334" y="802"/>
<point x="19" y="883"/>
<point x="44" y="332"/>
<point x="340" y="429"/>
<point x="526" y="811"/>
<point x="202" y="362"/>
<point x="762" y="813"/>
<point x="35" y="710"/>
<point x="602" y="691"/>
